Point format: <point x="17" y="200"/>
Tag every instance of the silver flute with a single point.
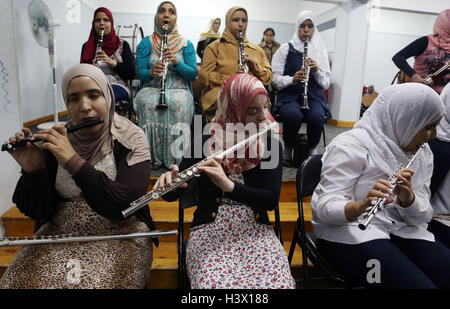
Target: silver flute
<point x="99" y="46"/>
<point x="60" y="239"/>
<point x="304" y="104"/>
<point x="189" y="173"/>
<point x="242" y="65"/>
<point x="371" y="211"/>
<point x="162" y="98"/>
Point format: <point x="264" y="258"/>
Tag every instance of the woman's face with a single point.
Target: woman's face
<point x="167" y="14"/>
<point x="306" y="29"/>
<point x="102" y="21"/>
<point x="238" y="23"/>
<point x="268" y="37"/>
<point x="85" y="101"/>
<point x="423" y="136"/>
<point x="216" y="25"/>
<point x="258" y="110"/>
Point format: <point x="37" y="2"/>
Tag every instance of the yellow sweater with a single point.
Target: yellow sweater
<point x="220" y="61"/>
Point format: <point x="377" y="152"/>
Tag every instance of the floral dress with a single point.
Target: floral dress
<point x="235" y="251"/>
<point x="163" y="126"/>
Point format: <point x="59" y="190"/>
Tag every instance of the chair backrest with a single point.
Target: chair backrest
<point x="308" y="175"/>
<point x="121" y="93"/>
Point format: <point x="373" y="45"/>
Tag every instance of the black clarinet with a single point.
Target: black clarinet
<point x="162" y="97"/>
<point x="11" y="146"/>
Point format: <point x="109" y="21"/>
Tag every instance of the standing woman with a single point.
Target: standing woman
<point x="182" y="69"/>
<point x="288" y="74"/>
<point x="79" y="184"/>
<point x="221" y="60"/>
<point x="440" y="182"/>
<point x="232" y="243"/>
<point x="115" y="58"/>
<point x="208" y="36"/>
<point x="356" y="166"/>
<point x="268" y="44"/>
<point x="430" y="53"/>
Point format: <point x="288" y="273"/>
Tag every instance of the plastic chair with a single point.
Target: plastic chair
<point x="124" y="105"/>
<point x="308" y="177"/>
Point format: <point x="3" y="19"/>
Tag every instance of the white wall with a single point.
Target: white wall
<point x="390" y="31"/>
<point x="9" y="104"/>
<point x="261" y="10"/>
<point x="33" y="59"/>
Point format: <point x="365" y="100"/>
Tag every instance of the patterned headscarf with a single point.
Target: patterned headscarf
<point x="175" y="41"/>
<point x="235" y="96"/>
<point x="111" y="42"/>
<point x="94" y="147"/>
<point x="441" y="31"/>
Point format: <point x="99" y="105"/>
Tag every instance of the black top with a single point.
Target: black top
<point x="35" y="194"/>
<point x="415" y="48"/>
<point x="126" y="69"/>
<point x="261" y="190"/>
<point x="201" y="45"/>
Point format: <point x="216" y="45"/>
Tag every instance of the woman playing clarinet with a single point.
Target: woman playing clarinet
<point x="221" y="60"/>
<point x="178" y="68"/>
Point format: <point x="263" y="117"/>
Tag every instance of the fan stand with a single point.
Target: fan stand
<point x="51" y="51"/>
<point x="50" y="124"/>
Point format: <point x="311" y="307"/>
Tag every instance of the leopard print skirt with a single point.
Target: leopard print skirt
<point x="107" y="264"/>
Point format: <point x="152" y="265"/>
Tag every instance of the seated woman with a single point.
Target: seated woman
<point x="79" y="184"/>
<point x="289" y="73"/>
<point x="221" y="60"/>
<point x="430" y="52"/>
<point x="231" y="243"/>
<point x="440" y="182"/>
<point x="181" y="71"/>
<point x="396" y="250"/>
<point x="209" y="36"/>
<point x="115" y="58"/>
<point x="268" y="44"/>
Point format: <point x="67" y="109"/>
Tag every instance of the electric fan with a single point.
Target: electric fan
<point x="43" y="28"/>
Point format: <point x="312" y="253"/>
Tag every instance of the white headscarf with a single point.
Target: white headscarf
<point x="443" y="129"/>
<point x="394" y="118"/>
<point x="316" y="47"/>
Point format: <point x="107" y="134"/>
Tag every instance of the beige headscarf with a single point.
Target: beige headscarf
<point x="210" y="33"/>
<point x="94" y="147"/>
<point x="227" y="35"/>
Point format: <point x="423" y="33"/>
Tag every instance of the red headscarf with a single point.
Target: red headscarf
<point x="111" y="42"/>
<point x="236" y="95"/>
<point x="441" y="31"/>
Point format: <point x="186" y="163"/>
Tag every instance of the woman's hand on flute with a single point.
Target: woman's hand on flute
<point x="382" y="189"/>
<point x="56" y="141"/>
<point x="166" y="179"/>
<point x="215" y="171"/>
<point x="30" y="157"/>
<point x="403" y="190"/>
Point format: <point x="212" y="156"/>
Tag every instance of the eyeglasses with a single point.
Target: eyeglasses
<point x="310" y="26"/>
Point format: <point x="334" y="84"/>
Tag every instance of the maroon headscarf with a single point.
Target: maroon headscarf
<point x="111" y="42"/>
